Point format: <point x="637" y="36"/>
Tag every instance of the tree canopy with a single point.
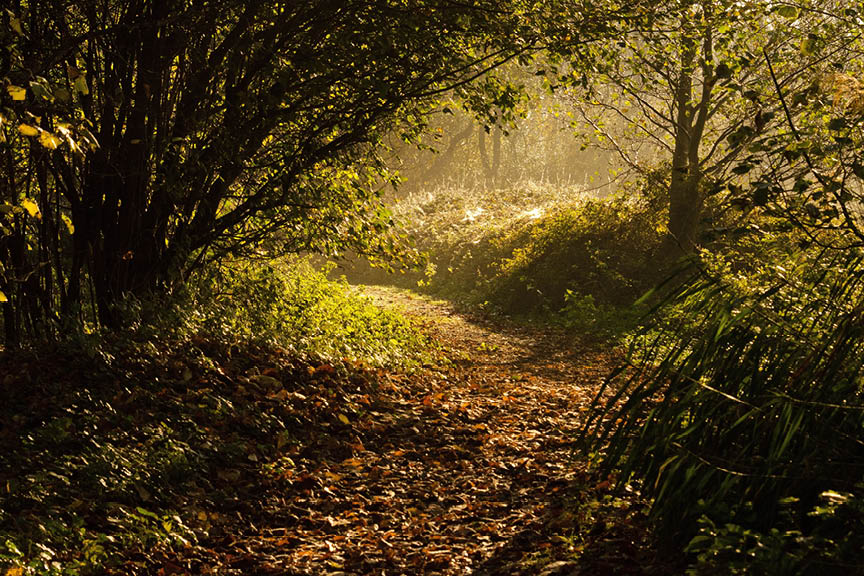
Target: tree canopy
<point x="144" y="138"/>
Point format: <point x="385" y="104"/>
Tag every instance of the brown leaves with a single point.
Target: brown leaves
<point x="442" y="471"/>
<point x="452" y="470"/>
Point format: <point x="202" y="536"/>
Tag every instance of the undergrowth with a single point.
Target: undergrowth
<point x="553" y="255"/>
<point x="119" y="449"/>
<point x="287" y="303"/>
<point x="741" y="415"/>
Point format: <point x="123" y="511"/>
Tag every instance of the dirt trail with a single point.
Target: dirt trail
<point x="465" y="469"/>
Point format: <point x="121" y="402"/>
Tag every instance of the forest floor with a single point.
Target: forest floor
<point x="486" y="476"/>
<point x="469" y="466"/>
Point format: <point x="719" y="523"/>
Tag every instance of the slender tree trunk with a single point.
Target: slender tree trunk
<point x="490" y="166"/>
<point x="495" y="168"/>
<point x="484" y="155"/>
<point x="686" y="197"/>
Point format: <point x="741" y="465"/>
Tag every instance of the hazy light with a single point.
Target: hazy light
<point x="472" y="214"/>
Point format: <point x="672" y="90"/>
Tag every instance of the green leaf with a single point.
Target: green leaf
<point x="15" y="24"/>
<point x="40" y="90"/>
<point x="145" y="512"/>
<point x="786" y="11"/>
<point x="837" y="123"/>
<point x="80" y="85"/>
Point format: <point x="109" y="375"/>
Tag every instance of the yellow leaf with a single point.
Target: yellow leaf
<point x="31" y="207"/>
<point x="16" y="92"/>
<point x="344" y="419"/>
<point x="27" y="130"/>
<point x="49" y="140"/>
<point x="81" y="85"/>
<point x="15" y="23"/>
<point x="68" y="222"/>
<point x="3" y="298"/>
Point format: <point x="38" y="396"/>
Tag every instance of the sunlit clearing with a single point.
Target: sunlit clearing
<point x="534" y="214"/>
<point x="472" y="214"/>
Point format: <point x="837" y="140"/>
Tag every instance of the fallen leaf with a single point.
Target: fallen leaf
<point x="17" y="93"/>
<point x="27" y="130"/>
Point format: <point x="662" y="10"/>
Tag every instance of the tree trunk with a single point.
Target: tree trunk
<point x="686" y="199"/>
<point x="496" y="155"/>
<point x="685" y="211"/>
<point x="490" y="167"/>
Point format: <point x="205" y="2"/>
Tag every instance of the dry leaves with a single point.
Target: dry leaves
<point x="453" y="470"/>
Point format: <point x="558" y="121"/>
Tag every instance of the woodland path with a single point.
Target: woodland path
<point x="467" y="468"/>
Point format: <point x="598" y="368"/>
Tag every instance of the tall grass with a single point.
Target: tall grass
<point x="742" y="411"/>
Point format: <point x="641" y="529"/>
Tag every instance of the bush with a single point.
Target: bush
<point x="291" y="304"/>
<point x="554" y="253"/>
<point x="603" y="249"/>
<point x="746" y="398"/>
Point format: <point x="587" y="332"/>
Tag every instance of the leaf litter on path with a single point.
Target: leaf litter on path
<point x="465" y="467"/>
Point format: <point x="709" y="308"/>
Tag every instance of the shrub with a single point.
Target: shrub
<point x="555" y="253"/>
<point x="598" y="248"/>
<point x="291" y="304"/>
<point x="747" y="399"/>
